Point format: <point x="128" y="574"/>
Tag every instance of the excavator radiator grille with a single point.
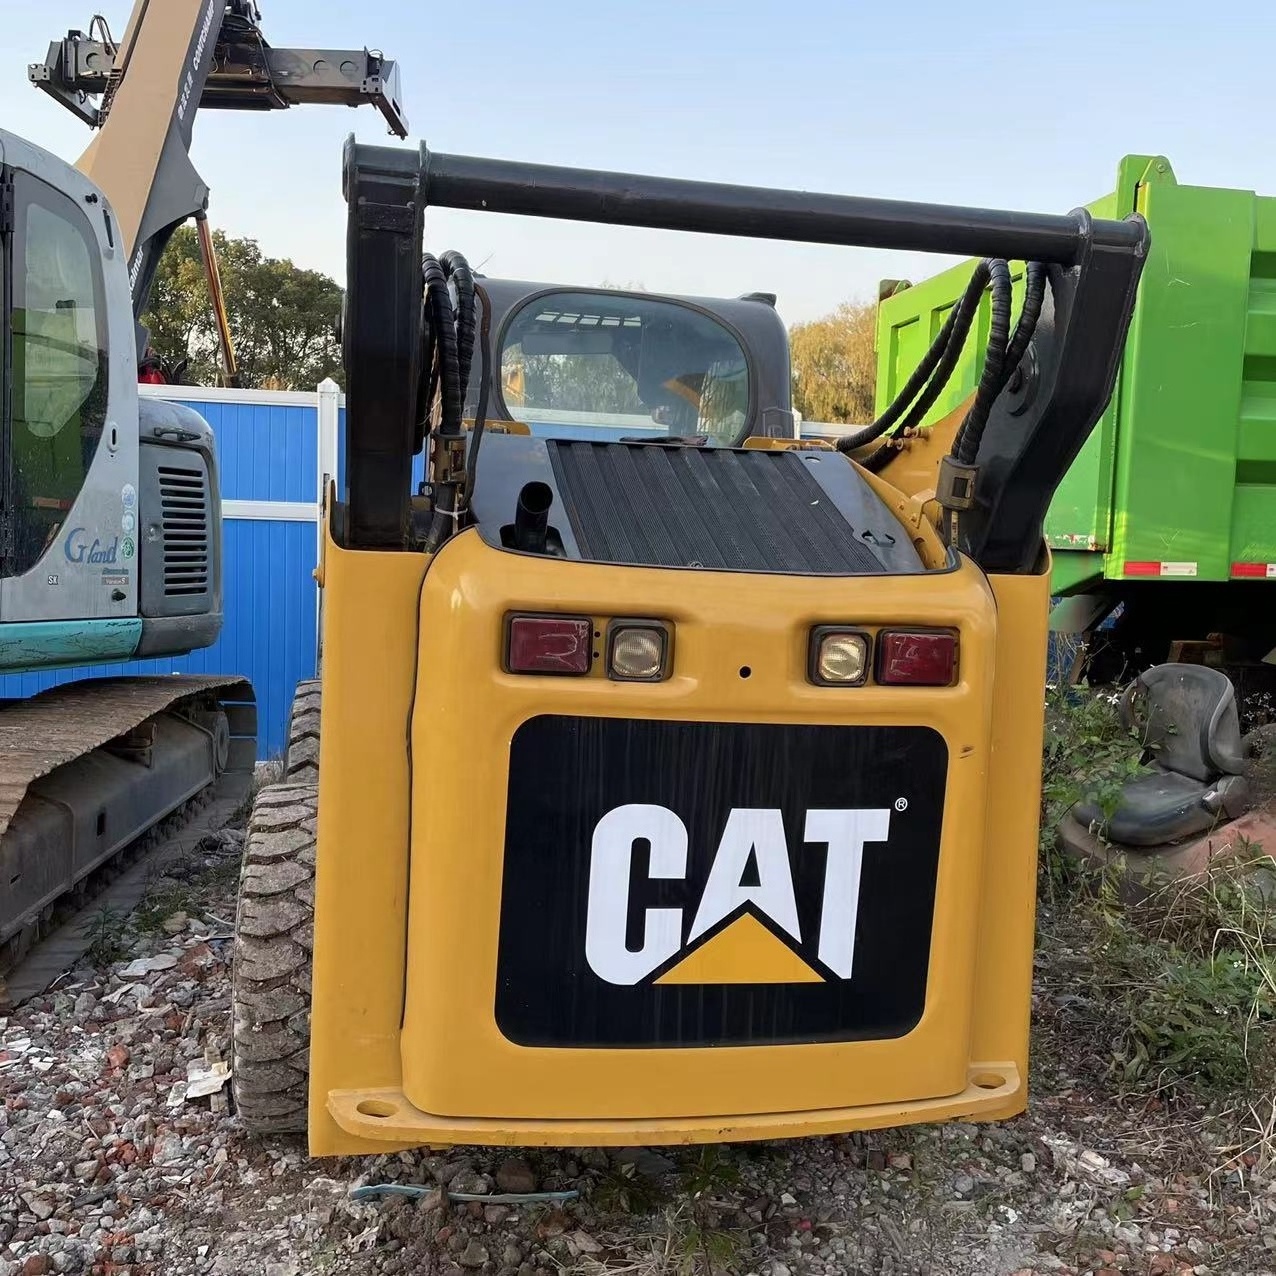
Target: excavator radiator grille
<point x="184" y="505"/>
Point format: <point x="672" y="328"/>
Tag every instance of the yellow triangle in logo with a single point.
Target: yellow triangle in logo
<point x="744" y="953"/>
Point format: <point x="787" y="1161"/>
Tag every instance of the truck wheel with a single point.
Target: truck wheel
<point x="301" y="757"/>
<point x="270" y="998"/>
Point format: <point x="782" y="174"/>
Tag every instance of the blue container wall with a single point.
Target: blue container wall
<point x="267" y="452"/>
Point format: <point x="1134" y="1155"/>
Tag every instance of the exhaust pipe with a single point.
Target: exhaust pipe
<point x="531" y="517"/>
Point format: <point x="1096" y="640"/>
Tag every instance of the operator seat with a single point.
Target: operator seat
<point x="1186" y="717"/>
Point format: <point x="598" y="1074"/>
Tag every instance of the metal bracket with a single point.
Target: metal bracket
<point x="955" y="489"/>
<point x="448" y="457"/>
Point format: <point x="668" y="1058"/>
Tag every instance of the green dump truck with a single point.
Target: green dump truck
<point x="1167" y="519"/>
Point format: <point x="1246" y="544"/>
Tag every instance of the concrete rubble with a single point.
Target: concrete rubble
<point x="120" y="1153"/>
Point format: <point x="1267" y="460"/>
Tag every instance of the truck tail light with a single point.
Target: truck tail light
<point x="549" y="644"/>
<point x="916" y="658"/>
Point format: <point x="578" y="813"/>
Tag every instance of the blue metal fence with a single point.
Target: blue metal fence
<point x="268" y="449"/>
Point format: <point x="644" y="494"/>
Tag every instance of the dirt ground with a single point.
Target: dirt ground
<point x="108" y="1165"/>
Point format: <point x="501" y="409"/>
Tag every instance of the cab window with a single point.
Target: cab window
<point x="603" y="365"/>
<point x="57" y="400"/>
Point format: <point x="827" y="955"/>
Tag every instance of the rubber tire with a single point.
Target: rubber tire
<point x="301" y="755"/>
<point x="274" y="936"/>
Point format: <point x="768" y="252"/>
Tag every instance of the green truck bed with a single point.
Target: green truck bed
<point x="1178" y="480"/>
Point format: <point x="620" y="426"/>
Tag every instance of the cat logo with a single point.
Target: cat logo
<point x="744" y="927"/>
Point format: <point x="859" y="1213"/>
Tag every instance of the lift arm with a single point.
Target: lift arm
<point x="141" y="94"/>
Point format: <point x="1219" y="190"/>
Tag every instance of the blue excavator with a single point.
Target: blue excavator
<point x="110" y="518"/>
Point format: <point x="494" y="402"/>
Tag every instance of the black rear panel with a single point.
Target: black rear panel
<point x="672" y="884"/>
<point x="714" y="508"/>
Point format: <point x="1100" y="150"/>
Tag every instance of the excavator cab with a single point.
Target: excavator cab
<point x="665" y="783"/>
<point x="110" y="514"/>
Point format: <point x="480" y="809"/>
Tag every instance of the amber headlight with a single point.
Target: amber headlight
<point x="839" y="657"/>
<point x="637" y="651"/>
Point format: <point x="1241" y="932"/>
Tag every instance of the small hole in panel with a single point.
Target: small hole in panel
<point x="989" y="1080"/>
<point x="376" y="1108"/>
<point x="101" y="823"/>
<point x="745" y="671"/>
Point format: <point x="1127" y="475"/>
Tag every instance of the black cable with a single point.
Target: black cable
<point x="480" y="413"/>
<point x="929" y="363"/>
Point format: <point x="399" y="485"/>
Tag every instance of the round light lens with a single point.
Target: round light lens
<point x="637" y="655"/>
<point x="842" y="658"/>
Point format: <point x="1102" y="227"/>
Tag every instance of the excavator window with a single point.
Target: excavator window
<point x="59" y="365"/>
<point x="593" y="365"/>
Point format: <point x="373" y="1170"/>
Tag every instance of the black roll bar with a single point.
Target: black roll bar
<point x="715" y="208"/>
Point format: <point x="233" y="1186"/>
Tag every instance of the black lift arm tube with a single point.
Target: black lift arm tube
<point x="628" y="199"/>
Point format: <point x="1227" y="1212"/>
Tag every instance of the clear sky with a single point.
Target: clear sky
<point x="1010" y="103"/>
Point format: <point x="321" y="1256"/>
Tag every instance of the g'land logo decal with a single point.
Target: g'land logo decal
<point x="80" y="548"/>
<point x="745" y="928"/>
<point x="687" y="884"/>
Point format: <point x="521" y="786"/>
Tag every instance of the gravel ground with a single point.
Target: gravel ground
<point x="108" y="1165"/>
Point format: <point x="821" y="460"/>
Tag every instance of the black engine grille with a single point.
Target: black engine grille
<point x="184" y="500"/>
<point x="715" y="508"/>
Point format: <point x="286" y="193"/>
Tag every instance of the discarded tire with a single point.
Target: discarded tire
<point x="274" y="930"/>
<point x="301" y="756"/>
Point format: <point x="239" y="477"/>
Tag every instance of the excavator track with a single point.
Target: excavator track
<point x="98" y="779"/>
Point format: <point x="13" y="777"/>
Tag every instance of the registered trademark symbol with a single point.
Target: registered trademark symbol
<point x="901" y="804"/>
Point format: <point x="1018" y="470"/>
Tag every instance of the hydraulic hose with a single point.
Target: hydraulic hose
<point x="1005" y="353"/>
<point x="445" y="380"/>
<point x="457" y="269"/>
<point x="939" y="360"/>
<point x="448" y="332"/>
<point x="990" y="381"/>
<point x="480" y="413"/>
<point x="964" y="314"/>
<point x="1034" y="295"/>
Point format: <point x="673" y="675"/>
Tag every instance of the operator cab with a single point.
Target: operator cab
<point x="604" y="365"/>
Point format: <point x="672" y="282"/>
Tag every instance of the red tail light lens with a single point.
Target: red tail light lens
<point x="549" y="644"/>
<point x="916" y="659"/>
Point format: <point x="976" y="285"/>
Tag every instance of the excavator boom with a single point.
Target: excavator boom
<point x="141" y="94"/>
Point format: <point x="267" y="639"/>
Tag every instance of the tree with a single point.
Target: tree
<point x="281" y="317"/>
<point x="835" y="365"/>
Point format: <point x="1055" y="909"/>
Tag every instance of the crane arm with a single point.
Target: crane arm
<point x="141" y="95"/>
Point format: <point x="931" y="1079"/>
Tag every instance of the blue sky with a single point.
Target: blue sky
<point x="1019" y="105"/>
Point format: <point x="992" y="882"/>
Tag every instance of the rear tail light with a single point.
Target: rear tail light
<point x="549" y="644"/>
<point x="839" y="657"/>
<point x="637" y="651"/>
<point x="916" y="658"/>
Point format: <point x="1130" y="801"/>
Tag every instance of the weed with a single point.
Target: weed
<point x="107" y="931"/>
<point x="160" y="904"/>
<point x="622" y="1190"/>
<point x="1087" y="753"/>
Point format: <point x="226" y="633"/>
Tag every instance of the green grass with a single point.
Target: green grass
<point x="1181" y="991"/>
